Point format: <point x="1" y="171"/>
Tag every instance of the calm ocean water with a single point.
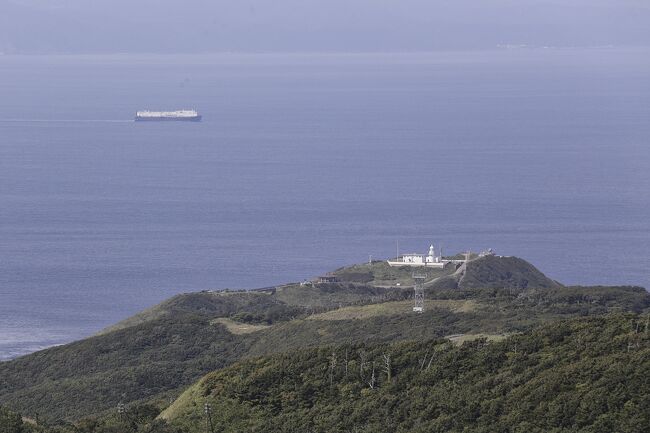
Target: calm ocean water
<point x="305" y="163"/>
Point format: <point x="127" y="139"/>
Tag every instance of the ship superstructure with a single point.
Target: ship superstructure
<point x="186" y="115"/>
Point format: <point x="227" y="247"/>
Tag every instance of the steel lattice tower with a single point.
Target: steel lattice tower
<point x="418" y="306"/>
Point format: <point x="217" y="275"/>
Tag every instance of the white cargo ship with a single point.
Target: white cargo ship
<point x="180" y="115"/>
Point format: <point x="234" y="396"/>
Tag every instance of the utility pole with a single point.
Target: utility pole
<point x="121" y="411"/>
<point x="332" y="367"/>
<point x="124" y="417"/>
<point x="208" y="417"/>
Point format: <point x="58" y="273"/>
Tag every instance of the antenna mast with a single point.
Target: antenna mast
<point x="418" y="296"/>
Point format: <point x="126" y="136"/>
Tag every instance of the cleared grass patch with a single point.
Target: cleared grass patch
<point x="189" y="398"/>
<point x="238" y="328"/>
<point x="393" y="309"/>
<point x="459" y="339"/>
<point x="379" y="273"/>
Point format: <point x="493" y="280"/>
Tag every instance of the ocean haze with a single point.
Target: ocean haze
<point x="305" y="163"/>
<point x="103" y="26"/>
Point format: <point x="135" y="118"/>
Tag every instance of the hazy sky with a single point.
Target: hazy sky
<point x="316" y="25"/>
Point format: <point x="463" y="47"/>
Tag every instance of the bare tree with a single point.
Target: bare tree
<point x="332" y="366"/>
<point x="424" y="359"/>
<point x="387" y="367"/>
<point x="363" y="357"/>
<point x="371" y="382"/>
<point x="430" y="360"/>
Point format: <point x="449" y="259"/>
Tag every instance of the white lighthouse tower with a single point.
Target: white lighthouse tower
<point x="432" y="258"/>
<point x="432" y="255"/>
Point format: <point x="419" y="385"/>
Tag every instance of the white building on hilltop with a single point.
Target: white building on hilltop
<point x="430" y="260"/>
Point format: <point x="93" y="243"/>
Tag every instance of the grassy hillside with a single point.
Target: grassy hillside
<point x="481" y="272"/>
<point x="131" y="364"/>
<point x="156" y="354"/>
<point x="577" y="375"/>
<point x="213" y="304"/>
<point x="497" y="272"/>
<point x="478" y="311"/>
<point x="582" y="375"/>
<point x="378" y="273"/>
<point x="333" y="295"/>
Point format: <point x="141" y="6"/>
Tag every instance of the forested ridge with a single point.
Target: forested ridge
<point x="147" y="361"/>
<point x="578" y="375"/>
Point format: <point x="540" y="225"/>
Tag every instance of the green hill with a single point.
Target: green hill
<point x="581" y="375"/>
<point x="213" y="304"/>
<point x="484" y="272"/>
<point x="154" y="355"/>
<point x="496" y="272"/>
<point x="11" y="422"/>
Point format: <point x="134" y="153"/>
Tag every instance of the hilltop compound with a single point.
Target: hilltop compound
<point x="430" y="260"/>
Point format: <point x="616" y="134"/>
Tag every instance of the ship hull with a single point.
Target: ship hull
<point x="168" y="119"/>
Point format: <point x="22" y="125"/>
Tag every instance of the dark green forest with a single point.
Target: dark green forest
<point x="578" y="375"/>
<point x="496" y="307"/>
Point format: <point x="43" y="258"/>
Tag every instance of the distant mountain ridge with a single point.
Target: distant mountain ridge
<point x="165" y="26"/>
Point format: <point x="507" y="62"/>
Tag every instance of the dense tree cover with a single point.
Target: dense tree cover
<point x="214" y="304"/>
<point x="579" y="375"/>
<point x="582" y="375"/>
<point x="156" y="354"/>
<point x="127" y="365"/>
<point x="11" y="422"/>
<point x="139" y="418"/>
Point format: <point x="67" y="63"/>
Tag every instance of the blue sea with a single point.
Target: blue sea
<point x="305" y="163"/>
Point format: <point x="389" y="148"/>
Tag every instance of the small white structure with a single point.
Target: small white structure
<point x="430" y="260"/>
